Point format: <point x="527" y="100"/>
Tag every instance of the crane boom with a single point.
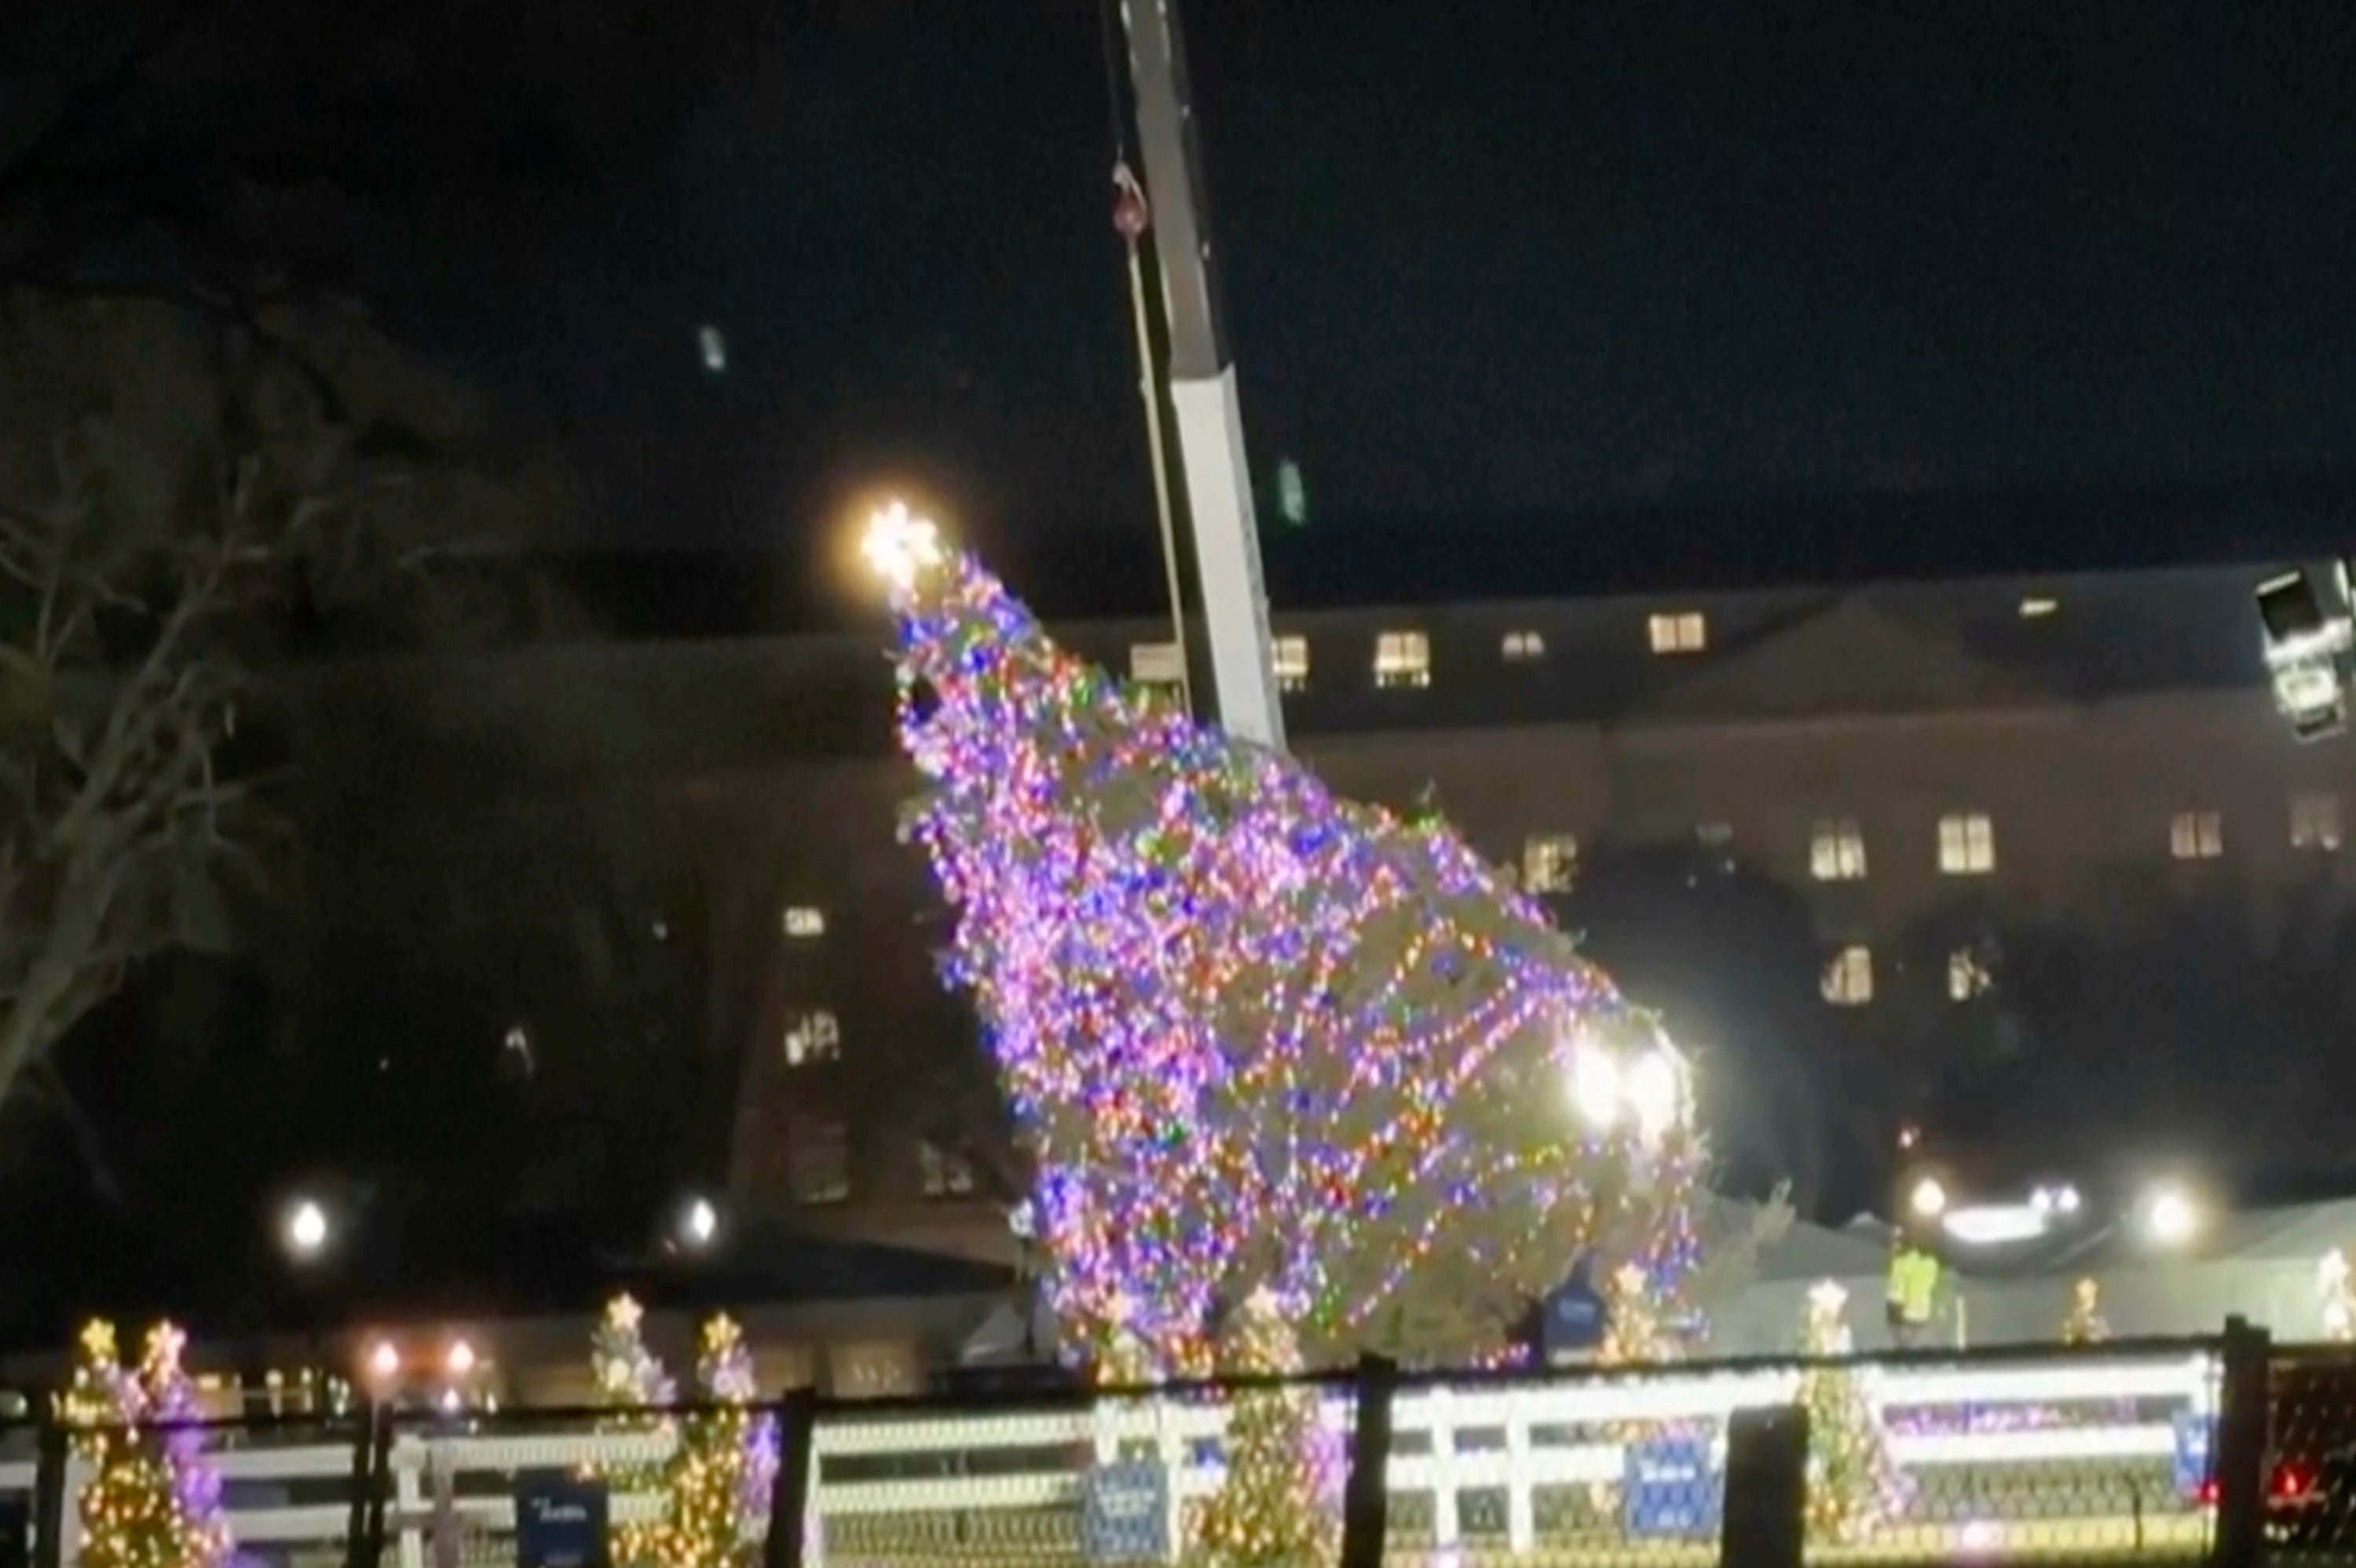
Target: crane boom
<point x="1202" y="380"/>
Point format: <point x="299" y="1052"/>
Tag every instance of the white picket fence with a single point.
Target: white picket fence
<point x="1053" y="1450"/>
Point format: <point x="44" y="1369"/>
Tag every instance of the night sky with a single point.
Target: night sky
<point x="1563" y="261"/>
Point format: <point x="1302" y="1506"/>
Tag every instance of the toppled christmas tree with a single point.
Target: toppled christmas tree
<point x="631" y="1380"/>
<point x="1853" y="1485"/>
<point x="152" y="1500"/>
<point x="1254" y="1035"/>
<point x="1276" y="1508"/>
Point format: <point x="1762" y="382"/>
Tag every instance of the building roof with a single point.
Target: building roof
<point x="1771" y="655"/>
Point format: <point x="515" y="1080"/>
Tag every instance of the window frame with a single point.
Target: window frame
<point x="1402" y="660"/>
<point x="1672" y="634"/>
<point x="1831" y="841"/>
<point x="1847" y="980"/>
<point x="1966" y="843"/>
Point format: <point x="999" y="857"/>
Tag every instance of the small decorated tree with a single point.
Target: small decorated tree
<point x="631" y="1380"/>
<point x="1852" y="1484"/>
<point x="1275" y="1506"/>
<point x="151" y="1501"/>
<point x="2085" y="1324"/>
<point x="704" y="1527"/>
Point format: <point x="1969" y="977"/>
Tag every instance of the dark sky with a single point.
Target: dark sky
<point x="1558" y="260"/>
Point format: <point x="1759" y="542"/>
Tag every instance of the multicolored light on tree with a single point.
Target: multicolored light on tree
<point x="1256" y="1036"/>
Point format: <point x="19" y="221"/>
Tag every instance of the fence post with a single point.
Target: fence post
<point x="1762" y="1517"/>
<point x="363" y="1476"/>
<point x="2245" y="1409"/>
<point x="1365" y="1496"/>
<point x="789" y="1493"/>
<point x="49" y="1495"/>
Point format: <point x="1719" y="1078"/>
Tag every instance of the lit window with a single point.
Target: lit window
<point x="1966" y="975"/>
<point x="813" y="1037"/>
<point x="804" y="921"/>
<point x="1966" y="844"/>
<point x="2315" y="821"/>
<point x="818" y="1166"/>
<point x="1836" y="850"/>
<point x="1549" y="861"/>
<point x="1402" y="658"/>
<point x="1684" y="632"/>
<point x="2036" y="607"/>
<point x="1849" y="978"/>
<point x="948" y="1174"/>
<point x="1291" y="664"/>
<point x="1523" y="647"/>
<point x="1157" y="664"/>
<point x="2196" y="834"/>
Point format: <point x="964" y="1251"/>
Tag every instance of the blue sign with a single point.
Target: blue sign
<point x="1575" y="1314"/>
<point x="560" y="1521"/>
<point x="1669" y="1487"/>
<point x="1125" y="1514"/>
<point x="2196" y="1438"/>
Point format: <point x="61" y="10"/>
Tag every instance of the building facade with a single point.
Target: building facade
<point x="1952" y="823"/>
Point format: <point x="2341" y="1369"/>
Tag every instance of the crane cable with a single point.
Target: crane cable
<point x="1107" y="41"/>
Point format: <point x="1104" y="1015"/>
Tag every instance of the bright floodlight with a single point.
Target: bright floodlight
<point x="1993" y="1224"/>
<point x="2171" y="1217"/>
<point x="1594" y="1085"/>
<point x="306" y="1229"/>
<point x="384" y="1361"/>
<point x="1654" y="1094"/>
<point x="1929" y="1198"/>
<point x="700" y="1223"/>
<point x="899" y="546"/>
<point x="461" y="1358"/>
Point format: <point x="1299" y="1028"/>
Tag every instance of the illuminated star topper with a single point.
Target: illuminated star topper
<point x="900" y="546"/>
<point x="98" y="1338"/>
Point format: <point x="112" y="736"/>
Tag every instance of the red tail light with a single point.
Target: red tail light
<point x="2206" y="1492"/>
<point x="2290" y="1481"/>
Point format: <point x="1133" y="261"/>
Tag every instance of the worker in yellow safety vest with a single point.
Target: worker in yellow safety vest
<point x="1914" y="1292"/>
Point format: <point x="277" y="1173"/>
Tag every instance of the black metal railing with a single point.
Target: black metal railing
<point x="2224" y="1449"/>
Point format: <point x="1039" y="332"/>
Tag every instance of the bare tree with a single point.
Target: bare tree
<point x="167" y="478"/>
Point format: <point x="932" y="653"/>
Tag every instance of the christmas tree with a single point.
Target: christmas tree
<point x="1852" y="1484"/>
<point x="1253" y="1034"/>
<point x="630" y="1379"/>
<point x="151" y="1501"/>
<point x="704" y="1525"/>
<point x="1276" y="1505"/>
<point x="2085" y="1324"/>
